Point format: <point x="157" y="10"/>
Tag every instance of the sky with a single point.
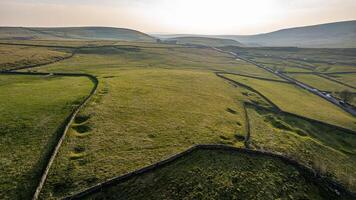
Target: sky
<point x="177" y="16"/>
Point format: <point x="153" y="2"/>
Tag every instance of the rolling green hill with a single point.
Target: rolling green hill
<point x="74" y="33"/>
<point x="216" y="42"/>
<point x="331" y="35"/>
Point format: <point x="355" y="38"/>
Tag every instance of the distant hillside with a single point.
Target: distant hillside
<point x="76" y="33"/>
<point x="215" y="42"/>
<point x="332" y="35"/>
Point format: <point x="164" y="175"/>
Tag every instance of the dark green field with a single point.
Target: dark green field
<point x="219" y="174"/>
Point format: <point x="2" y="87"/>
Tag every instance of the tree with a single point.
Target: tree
<point x="346" y="96"/>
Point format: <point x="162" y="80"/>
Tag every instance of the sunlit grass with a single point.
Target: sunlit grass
<point x="32" y="110"/>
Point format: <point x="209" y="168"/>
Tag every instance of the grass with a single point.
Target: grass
<point x="32" y="109"/>
<point x="292" y="99"/>
<point x="307" y="142"/>
<point x="73" y="33"/>
<point x="349" y="79"/>
<point x="323" y="84"/>
<point x="205" y="41"/>
<point x="140" y="117"/>
<point x="18" y="56"/>
<point x="155" y="100"/>
<point x="219" y="174"/>
<point x="101" y="60"/>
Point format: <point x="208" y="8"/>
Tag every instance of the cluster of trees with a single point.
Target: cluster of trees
<point x="346" y="96"/>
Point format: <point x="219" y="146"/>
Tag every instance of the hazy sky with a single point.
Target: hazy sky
<point x="177" y="16"/>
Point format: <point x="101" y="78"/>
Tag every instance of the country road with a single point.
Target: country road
<point x="315" y="91"/>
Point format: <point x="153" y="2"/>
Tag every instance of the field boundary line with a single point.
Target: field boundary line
<point x="247" y="87"/>
<point x="247" y="140"/>
<point x="314" y="175"/>
<point x="255" y="77"/>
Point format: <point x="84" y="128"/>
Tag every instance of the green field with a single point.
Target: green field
<point x="324" y="84"/>
<point x="219" y="174"/>
<point x="33" y="109"/>
<point x="292" y="99"/>
<point x="155" y="100"/>
<point x="19" y="56"/>
<point x="205" y="41"/>
<point x="141" y="117"/>
<point x="307" y="142"/>
<point x="349" y="79"/>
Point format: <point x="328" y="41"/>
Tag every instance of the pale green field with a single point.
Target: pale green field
<point x="292" y="99"/>
<point x="32" y="109"/>
<point x="321" y="83"/>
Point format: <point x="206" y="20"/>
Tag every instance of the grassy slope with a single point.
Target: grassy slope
<point x="17" y="56"/>
<point x="215" y="42"/>
<point x="292" y="99"/>
<point x="331" y="35"/>
<point x="141" y="93"/>
<point x="218" y="174"/>
<point x="32" y="109"/>
<point x="142" y="117"/>
<point x="122" y="73"/>
<point x="345" y="78"/>
<point x="82" y="33"/>
<point x="168" y="57"/>
<point x="307" y="142"/>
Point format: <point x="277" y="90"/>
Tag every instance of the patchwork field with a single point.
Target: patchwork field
<point x="156" y="100"/>
<point x="32" y="110"/>
<point x="292" y="99"/>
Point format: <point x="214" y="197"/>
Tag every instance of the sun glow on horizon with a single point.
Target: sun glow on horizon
<point x="177" y="16"/>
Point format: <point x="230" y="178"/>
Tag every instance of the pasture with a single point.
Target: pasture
<point x="19" y="56"/>
<point x="156" y="100"/>
<point x="307" y="142"/>
<point x="33" y="109"/>
<point x="291" y="98"/>
<point x="218" y="174"/>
